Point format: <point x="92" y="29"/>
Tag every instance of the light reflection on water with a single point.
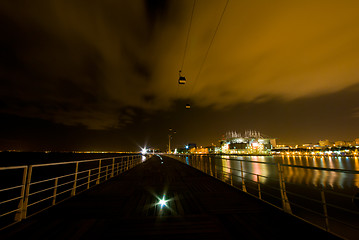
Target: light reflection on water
<point x="267" y="167"/>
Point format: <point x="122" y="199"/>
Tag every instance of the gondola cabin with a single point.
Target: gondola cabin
<point x="182" y="80"/>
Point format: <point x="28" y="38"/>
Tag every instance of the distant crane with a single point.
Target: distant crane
<point x="170" y="134"/>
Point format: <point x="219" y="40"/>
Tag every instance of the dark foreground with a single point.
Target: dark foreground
<point x="199" y="207"/>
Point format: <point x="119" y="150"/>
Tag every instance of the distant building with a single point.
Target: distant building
<point x="325" y="143"/>
<point x="250" y="142"/>
<point x="191" y="145"/>
<point x="199" y="150"/>
<point x="340" y="144"/>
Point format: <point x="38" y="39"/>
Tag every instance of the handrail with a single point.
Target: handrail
<point x="297" y="166"/>
<point x="250" y="182"/>
<point x="12" y="167"/>
<point x="32" y="197"/>
<point x="10" y="188"/>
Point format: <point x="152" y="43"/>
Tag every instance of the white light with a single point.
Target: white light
<point x="163" y="201"/>
<point x="144" y="151"/>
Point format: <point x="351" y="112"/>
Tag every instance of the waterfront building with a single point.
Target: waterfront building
<point x="250" y="142"/>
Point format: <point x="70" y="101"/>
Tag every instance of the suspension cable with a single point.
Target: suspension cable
<point x="189" y="30"/>
<point x="206" y="55"/>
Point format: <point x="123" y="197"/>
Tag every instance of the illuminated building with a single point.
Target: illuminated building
<point x="325" y="143"/>
<point x="251" y="142"/>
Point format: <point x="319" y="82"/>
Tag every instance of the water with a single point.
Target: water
<point x="335" y="173"/>
<point x="308" y="180"/>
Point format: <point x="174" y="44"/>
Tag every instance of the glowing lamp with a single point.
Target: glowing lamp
<point x="163" y="201"/>
<point x="144" y="151"/>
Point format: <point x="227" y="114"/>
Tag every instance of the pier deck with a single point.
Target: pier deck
<point x="199" y="207"/>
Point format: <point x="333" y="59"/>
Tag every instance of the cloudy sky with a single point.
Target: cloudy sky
<point x="102" y="75"/>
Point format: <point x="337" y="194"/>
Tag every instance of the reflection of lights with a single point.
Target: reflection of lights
<point x="225" y="148"/>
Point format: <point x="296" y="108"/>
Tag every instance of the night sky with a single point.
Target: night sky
<point x="103" y="75"/>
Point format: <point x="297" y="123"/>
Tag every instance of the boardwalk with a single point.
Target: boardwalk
<point x="199" y="207"/>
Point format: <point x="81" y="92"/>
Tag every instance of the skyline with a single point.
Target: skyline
<point x="103" y="75"/>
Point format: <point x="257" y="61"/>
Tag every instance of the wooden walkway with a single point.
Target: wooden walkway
<point x="200" y="207"/>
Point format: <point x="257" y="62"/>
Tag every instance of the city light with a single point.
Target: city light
<point x="143" y="151"/>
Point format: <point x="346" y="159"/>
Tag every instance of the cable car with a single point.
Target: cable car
<point x="188" y="106"/>
<point x="182" y="79"/>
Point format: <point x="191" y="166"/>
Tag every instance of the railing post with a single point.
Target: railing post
<point x="99" y="172"/>
<point x="324" y="203"/>
<point x="231" y="178"/>
<point x="244" y="189"/>
<point x="283" y="192"/>
<point x="259" y="188"/>
<point x="73" y="192"/>
<point x="18" y="215"/>
<point x="88" y="179"/>
<point x="210" y="166"/>
<point x="113" y="167"/>
<point x="118" y="168"/>
<point x="106" y="173"/>
<point x="27" y="192"/>
<point x="55" y="191"/>
<point x="127" y="163"/>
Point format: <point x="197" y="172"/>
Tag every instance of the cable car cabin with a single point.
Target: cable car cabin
<point x="182" y="80"/>
<point x="188" y="106"/>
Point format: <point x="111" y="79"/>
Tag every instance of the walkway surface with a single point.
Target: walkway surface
<point x="199" y="207"/>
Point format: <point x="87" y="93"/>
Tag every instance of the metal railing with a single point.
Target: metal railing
<point x="329" y="210"/>
<point x="28" y="190"/>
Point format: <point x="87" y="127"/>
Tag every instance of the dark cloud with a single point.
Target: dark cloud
<point x="105" y="65"/>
